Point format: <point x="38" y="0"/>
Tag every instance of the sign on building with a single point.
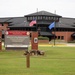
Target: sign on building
<point x="17" y="40"/>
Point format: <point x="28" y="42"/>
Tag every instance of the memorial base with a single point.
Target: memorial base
<point x="34" y="52"/>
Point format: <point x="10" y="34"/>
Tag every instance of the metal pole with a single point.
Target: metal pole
<point x="54" y="28"/>
<point x="54" y="32"/>
<point x="37" y="20"/>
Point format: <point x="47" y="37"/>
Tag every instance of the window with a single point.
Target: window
<point x="33" y="17"/>
<point x="58" y="37"/>
<point x="28" y="18"/>
<point x="39" y="17"/>
<point x="62" y="37"/>
<point x="57" y="18"/>
<point x="54" y="18"/>
<point x="49" y="18"/>
<point x="36" y="17"/>
<point x="46" y="18"/>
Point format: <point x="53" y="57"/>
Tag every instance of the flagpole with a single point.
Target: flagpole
<point x="54" y="33"/>
<point x="37" y="19"/>
<point x="54" y="29"/>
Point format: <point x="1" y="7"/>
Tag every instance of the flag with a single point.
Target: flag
<point x="52" y="25"/>
<point x="32" y="22"/>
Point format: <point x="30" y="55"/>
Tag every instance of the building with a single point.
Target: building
<point x="64" y="27"/>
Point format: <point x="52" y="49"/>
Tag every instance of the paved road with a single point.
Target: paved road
<point x="60" y="45"/>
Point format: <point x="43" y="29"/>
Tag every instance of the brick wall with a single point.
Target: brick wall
<point x="67" y="35"/>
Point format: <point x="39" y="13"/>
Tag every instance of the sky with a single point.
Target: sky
<point x="19" y="8"/>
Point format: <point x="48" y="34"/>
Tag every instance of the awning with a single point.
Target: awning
<point x="73" y="35"/>
<point x="46" y="33"/>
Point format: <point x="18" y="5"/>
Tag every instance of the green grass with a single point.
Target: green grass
<point x="56" y="61"/>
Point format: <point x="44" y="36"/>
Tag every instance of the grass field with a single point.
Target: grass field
<point x="56" y="61"/>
